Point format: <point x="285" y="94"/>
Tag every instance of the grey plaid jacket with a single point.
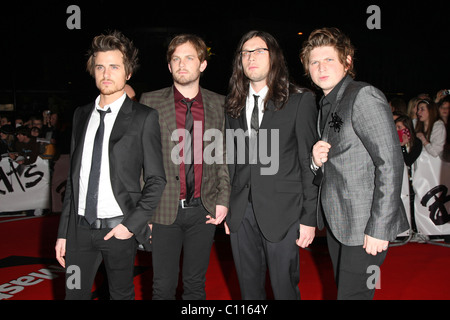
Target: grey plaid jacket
<point x="215" y="186"/>
<point x="362" y="179"/>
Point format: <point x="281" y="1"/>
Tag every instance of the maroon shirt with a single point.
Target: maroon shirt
<point x="199" y="124"/>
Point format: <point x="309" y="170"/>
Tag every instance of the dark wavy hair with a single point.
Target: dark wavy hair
<point x="113" y="40"/>
<point x="278" y="79"/>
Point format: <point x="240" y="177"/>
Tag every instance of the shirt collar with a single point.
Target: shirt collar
<point x="262" y="93"/>
<point x="332" y="96"/>
<point x="178" y="96"/>
<point x="114" y="106"/>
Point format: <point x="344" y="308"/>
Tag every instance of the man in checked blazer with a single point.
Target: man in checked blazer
<point x="360" y="161"/>
<point x="181" y="223"/>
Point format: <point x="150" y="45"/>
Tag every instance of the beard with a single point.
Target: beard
<point x="185" y="79"/>
<point x="110" y="88"/>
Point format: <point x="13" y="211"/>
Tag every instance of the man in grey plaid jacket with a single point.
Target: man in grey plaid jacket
<point x="361" y="165"/>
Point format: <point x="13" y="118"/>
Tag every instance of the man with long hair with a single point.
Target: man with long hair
<point x="197" y="193"/>
<point x="358" y="162"/>
<point x="116" y="143"/>
<point x="272" y="212"/>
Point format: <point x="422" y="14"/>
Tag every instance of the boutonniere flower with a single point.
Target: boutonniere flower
<point x="336" y="122"/>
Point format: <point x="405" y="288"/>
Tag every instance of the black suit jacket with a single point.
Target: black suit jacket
<point x="285" y="194"/>
<point x="134" y="152"/>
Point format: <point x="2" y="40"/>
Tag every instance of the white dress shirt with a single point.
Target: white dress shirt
<point x="250" y="103"/>
<point x="107" y="206"/>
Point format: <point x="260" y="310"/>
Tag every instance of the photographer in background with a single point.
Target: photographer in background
<point x="441" y="95"/>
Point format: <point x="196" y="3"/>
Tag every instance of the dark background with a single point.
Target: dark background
<point x="43" y="62"/>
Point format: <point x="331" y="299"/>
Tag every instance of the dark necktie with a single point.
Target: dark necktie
<point x="189" y="152"/>
<point x="94" y="176"/>
<point x="254" y="123"/>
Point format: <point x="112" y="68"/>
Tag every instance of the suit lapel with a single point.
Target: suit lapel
<point x="122" y="122"/>
<point x="167" y="112"/>
<point x="242" y="121"/>
<point x="268" y="114"/>
<point x="82" y="124"/>
<point x="208" y="110"/>
<point x="334" y="108"/>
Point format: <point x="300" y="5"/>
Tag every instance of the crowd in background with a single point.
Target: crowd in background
<point x="23" y="140"/>
<point x="422" y="125"/>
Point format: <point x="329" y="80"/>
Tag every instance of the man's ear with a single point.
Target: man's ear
<point x="349" y="63"/>
<point x="203" y="65"/>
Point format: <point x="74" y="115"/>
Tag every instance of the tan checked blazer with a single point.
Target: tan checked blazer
<point x="215" y="187"/>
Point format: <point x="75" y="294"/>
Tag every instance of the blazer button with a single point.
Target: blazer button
<point x="177" y="177"/>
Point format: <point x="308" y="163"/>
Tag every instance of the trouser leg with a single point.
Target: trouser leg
<point x="119" y="258"/>
<point x="249" y="257"/>
<point x="355" y="270"/>
<point x="82" y="262"/>
<point x="198" y="240"/>
<point x="167" y="242"/>
<point x="284" y="266"/>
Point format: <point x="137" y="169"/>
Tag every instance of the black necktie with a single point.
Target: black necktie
<point x="189" y="152"/>
<point x="254" y="123"/>
<point x="94" y="176"/>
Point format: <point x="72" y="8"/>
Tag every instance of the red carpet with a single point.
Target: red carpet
<point x="29" y="271"/>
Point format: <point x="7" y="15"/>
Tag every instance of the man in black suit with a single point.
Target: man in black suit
<point x="273" y="203"/>
<point x="106" y="211"/>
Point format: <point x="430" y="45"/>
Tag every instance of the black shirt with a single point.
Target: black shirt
<point x="327" y="102"/>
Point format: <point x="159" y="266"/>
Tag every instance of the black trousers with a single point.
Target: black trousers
<point x="253" y="255"/>
<point x="356" y="272"/>
<point x="188" y="234"/>
<point x="86" y="250"/>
